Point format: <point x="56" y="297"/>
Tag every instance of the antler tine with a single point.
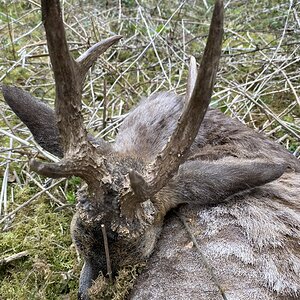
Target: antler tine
<point x="87" y="59"/>
<point x="168" y="161"/>
<point x="67" y="168"/>
<point x="192" y="77"/>
<point x="69" y="75"/>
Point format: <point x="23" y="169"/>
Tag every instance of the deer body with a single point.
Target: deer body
<point x="251" y="243"/>
<point x="245" y="237"/>
<point x="220" y="155"/>
<point x="241" y="190"/>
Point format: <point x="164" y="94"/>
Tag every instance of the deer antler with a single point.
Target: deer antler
<point x="198" y="95"/>
<point x="168" y="161"/>
<point x="69" y="75"/>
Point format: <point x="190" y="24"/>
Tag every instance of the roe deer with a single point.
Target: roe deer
<point x="239" y="191"/>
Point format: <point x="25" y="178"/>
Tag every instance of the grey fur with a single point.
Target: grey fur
<point x="251" y="242"/>
<point x="244" y="214"/>
<point x="251" y="239"/>
<point x="37" y="116"/>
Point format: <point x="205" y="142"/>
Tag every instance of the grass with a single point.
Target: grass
<point x="51" y="268"/>
<point x="258" y="83"/>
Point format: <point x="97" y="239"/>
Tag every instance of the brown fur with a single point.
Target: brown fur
<point x="251" y="239"/>
<point x="245" y="218"/>
<point x="222" y="148"/>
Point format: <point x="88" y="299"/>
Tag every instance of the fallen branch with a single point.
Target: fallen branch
<point x="9" y="259"/>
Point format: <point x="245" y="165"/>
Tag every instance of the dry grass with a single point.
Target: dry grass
<point x="258" y="83"/>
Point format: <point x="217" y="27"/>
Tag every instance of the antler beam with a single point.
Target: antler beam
<point x="198" y="94"/>
<point x="67" y="78"/>
<point x="168" y="161"/>
<point x="69" y="75"/>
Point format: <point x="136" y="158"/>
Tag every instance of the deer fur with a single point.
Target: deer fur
<point x="238" y="190"/>
<point x="250" y="238"/>
<point x="242" y="227"/>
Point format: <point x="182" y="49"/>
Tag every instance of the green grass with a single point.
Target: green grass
<point x="51" y="269"/>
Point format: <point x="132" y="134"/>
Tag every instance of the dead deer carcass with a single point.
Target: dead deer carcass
<point x="242" y="189"/>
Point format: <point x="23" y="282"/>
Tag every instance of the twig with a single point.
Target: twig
<point x="10" y="31"/>
<point x="3" y="195"/>
<point x="204" y="260"/>
<point x="108" y="262"/>
<point x="30" y="200"/>
<point x="13" y="257"/>
<point x="44" y="189"/>
<point x="104" y="117"/>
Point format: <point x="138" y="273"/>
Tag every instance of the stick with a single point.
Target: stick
<point x="13" y="257"/>
<point x="30" y="201"/>
<point x="108" y="262"/>
<point x="204" y="260"/>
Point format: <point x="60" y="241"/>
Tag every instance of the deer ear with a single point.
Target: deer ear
<point x="37" y="116"/>
<point x="212" y="182"/>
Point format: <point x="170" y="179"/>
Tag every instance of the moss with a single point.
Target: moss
<point x="51" y="269"/>
<point x="121" y="286"/>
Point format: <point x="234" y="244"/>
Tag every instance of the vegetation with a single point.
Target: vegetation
<point x="258" y="83"/>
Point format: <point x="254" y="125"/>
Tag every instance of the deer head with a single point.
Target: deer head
<point x="134" y="186"/>
<point x="125" y="192"/>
